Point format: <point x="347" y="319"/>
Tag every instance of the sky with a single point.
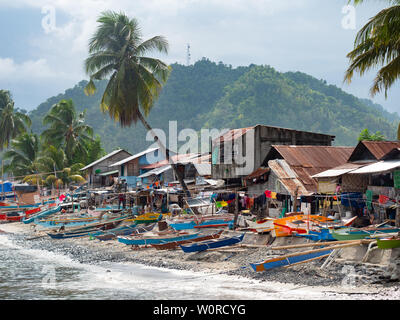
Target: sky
<point x="43" y="43"/>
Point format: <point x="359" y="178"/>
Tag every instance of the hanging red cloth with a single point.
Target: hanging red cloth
<point x="383" y="199"/>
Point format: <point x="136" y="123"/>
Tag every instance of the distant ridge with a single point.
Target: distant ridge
<point x="215" y="95"/>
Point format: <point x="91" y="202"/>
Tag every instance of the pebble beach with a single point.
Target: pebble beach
<point x="341" y="280"/>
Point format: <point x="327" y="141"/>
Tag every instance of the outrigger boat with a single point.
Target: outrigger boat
<point x="175" y="244"/>
<point x="388" y="243"/>
<point x="211" y="244"/>
<point x="287" y="260"/>
<point x="84" y="231"/>
<point x="148" y="239"/>
<point x="147" y="218"/>
<point x="377" y="231"/>
<point x="131" y="229"/>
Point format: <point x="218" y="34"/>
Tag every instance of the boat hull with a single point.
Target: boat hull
<point x="211" y="244"/>
<point x="149" y="241"/>
<point x="388" y="243"/>
<point x="286" y="261"/>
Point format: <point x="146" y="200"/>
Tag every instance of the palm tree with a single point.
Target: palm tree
<point x="377" y="44"/>
<point x="54" y="160"/>
<point x="117" y="51"/>
<point x="67" y="129"/>
<point x="23" y="155"/>
<point x="12" y="122"/>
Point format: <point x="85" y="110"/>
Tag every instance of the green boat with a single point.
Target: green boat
<point x="359" y="234"/>
<point x="388" y="243"/>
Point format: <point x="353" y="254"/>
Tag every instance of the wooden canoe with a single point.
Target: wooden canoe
<point x="175" y="244"/>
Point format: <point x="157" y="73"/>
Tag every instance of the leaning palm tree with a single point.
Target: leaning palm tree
<point x="377" y="44"/>
<point x="67" y="129"/>
<point x="135" y="80"/>
<point x="12" y="122"/>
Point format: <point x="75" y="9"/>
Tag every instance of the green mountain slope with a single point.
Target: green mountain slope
<point x="211" y="95"/>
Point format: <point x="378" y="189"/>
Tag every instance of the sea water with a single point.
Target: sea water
<point x="27" y="273"/>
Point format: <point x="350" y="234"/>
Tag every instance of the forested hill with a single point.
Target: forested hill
<point x="211" y="95"/>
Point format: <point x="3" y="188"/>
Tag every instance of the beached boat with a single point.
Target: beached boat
<point x="297" y="224"/>
<point x="145" y="239"/>
<point x="369" y="232"/>
<point x="148" y="217"/>
<point x="323" y="234"/>
<point x="286" y="261"/>
<point x="261" y="226"/>
<point x="216" y="221"/>
<point x="132" y="229"/>
<point x="211" y="244"/>
<point x="45" y="213"/>
<point x="84" y="231"/>
<point x="175" y="244"/>
<point x="388" y="243"/>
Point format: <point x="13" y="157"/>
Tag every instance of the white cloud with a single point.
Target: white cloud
<point x="30" y="69"/>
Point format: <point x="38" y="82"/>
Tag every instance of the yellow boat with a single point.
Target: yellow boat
<point x="284" y="227"/>
<point x="147" y="218"/>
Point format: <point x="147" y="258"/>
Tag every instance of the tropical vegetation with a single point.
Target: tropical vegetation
<point x="54" y="157"/>
<point x="216" y="95"/>
<point x="377" y="46"/>
<point x="118" y="51"/>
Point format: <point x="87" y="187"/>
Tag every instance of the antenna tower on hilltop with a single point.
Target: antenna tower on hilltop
<point x="188" y="55"/>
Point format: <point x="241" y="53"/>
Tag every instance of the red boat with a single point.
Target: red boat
<point x="18" y="215"/>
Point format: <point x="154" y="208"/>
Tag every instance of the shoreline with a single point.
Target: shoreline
<point x="369" y="280"/>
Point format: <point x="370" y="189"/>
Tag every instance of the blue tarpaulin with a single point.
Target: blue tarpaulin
<point x="7" y="187"/>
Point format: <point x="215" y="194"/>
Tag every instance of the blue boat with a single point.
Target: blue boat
<point x="155" y="240"/>
<point x="286" y="261"/>
<point x="323" y="235"/>
<point x="204" y="224"/>
<point x="211" y="244"/>
<point x="42" y="214"/>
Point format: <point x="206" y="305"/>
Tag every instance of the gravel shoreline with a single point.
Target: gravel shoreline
<point x="340" y="277"/>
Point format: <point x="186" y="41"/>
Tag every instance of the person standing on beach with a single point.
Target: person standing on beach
<point x="122" y="199"/>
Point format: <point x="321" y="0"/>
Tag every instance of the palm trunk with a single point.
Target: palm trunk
<point x="166" y="153"/>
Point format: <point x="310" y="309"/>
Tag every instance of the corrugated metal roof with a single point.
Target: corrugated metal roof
<point x="324" y="157"/>
<point x="134" y="157"/>
<point x="257" y="173"/>
<point x="103" y="158"/>
<point x="232" y="134"/>
<point x="288" y="177"/>
<point x="338" y="171"/>
<point x="377" y="167"/>
<point x="380" y="148"/>
<point x="204" y="169"/>
<point x="306" y="161"/>
<point x="178" y="158"/>
<point x="155" y="172"/>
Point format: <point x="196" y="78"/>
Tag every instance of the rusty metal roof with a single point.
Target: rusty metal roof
<point x="314" y="157"/>
<point x="288" y="178"/>
<point x="380" y="148"/>
<point x="232" y="134"/>
<point x="306" y="161"/>
<point x="257" y="173"/>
